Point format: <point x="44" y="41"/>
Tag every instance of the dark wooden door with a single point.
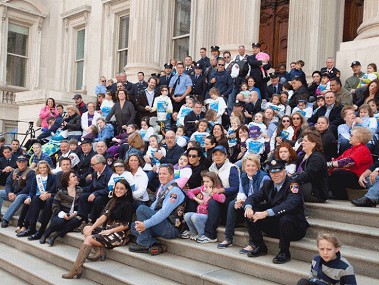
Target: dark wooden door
<point x="353" y="18"/>
<point x="273" y="30"/>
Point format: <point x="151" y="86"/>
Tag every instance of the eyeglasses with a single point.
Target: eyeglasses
<point x="72" y="176"/>
<point x="286" y="121"/>
<point x="103" y="81"/>
<point x="221" y="64"/>
<point x="192" y="155"/>
<point x="226" y="56"/>
<point x="93" y="164"/>
<point x="295" y="119"/>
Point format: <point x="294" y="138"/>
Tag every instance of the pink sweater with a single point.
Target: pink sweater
<point x="203" y="208"/>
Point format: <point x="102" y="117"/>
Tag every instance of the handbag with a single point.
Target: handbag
<point x="39" y="122"/>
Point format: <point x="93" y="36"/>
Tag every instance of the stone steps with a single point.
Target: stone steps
<point x="188" y="262"/>
<point x="344" y="212"/>
<point x="8" y="278"/>
<point x="32" y="269"/>
<point x="189" y="272"/>
<point x="61" y="257"/>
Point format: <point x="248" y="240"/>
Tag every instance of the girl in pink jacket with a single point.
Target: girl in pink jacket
<point x="202" y="195"/>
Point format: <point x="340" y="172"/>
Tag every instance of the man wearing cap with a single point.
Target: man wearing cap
<point x="17" y="188"/>
<point x="204" y="60"/>
<point x="343" y="96"/>
<point x="215" y="51"/>
<point x="165" y="79"/>
<point x="82" y="107"/>
<point x="330" y="68"/>
<point x="229" y="175"/>
<point x="199" y="86"/>
<point x="84" y="165"/>
<point x="180" y="86"/>
<point x="352" y="82"/>
<point x="275" y="87"/>
<point x="281" y="216"/>
<point x="255" y="68"/>
<point x="145" y="99"/>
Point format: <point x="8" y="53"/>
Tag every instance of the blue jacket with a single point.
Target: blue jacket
<point x="99" y="185"/>
<point x="106" y="133"/>
<point x="257" y="181"/>
<point x="49" y="185"/>
<point x="224" y="82"/>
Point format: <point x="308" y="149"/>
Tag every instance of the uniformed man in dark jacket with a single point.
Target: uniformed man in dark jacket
<point x="165" y="79"/>
<point x="199" y="86"/>
<point x="255" y="68"/>
<point x="204" y="60"/>
<point x="282" y="216"/>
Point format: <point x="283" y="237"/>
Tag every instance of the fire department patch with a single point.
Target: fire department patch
<point x="294" y="187"/>
<point x="173" y="197"/>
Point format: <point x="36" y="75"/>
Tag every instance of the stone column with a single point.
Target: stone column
<point x="145" y="37"/>
<point x="3" y="44"/>
<point x="370" y="25"/>
<point x="316" y="35"/>
<point x="245" y="16"/>
<point x="365" y="45"/>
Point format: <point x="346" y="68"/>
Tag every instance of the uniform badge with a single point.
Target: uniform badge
<point x="294" y="187"/>
<point x="273" y="162"/>
<point x="173" y="197"/>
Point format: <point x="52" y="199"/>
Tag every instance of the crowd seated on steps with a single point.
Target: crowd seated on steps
<point x="263" y="136"/>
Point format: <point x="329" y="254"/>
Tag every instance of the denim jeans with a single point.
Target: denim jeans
<point x="196" y="223"/>
<point x="231" y="219"/>
<point x="373" y="190"/>
<point x="16" y="204"/>
<point x="164" y="229"/>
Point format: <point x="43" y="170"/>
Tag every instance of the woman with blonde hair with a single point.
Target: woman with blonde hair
<point x="39" y="198"/>
<point x="251" y="180"/>
<point x="72" y="123"/>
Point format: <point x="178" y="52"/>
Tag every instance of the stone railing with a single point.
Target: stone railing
<point x="7" y="97"/>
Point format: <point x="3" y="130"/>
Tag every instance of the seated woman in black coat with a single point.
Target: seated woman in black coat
<point x="329" y="141"/>
<point x="64" y="208"/>
<point x="114" y="223"/>
<point x="312" y="170"/>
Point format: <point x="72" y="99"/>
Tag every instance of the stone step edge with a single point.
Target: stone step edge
<point x="39" y="274"/>
<point x="74" y="239"/>
<point x="92" y="269"/>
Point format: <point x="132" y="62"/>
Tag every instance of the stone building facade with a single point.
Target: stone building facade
<point x="59" y="48"/>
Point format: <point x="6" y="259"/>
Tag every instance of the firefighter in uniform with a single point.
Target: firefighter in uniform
<point x="163" y="218"/>
<point x="282" y="216"/>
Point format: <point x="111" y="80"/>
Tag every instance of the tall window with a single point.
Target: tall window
<point x="123" y="43"/>
<point x="182" y="24"/>
<point x="17" y="51"/>
<point x="79" y="59"/>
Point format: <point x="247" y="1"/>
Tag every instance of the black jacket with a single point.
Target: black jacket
<point x="270" y="91"/>
<point x="288" y="201"/>
<point x="199" y="86"/>
<point x="299" y="94"/>
<point x="189" y="122"/>
<point x="4" y="162"/>
<point x="315" y="172"/>
<point x="334" y="115"/>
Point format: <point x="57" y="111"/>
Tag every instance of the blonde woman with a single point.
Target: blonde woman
<point x="72" y="123"/>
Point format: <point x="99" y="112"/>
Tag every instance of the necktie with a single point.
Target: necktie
<point x="275" y="90"/>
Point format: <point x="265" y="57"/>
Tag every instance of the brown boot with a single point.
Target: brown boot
<point x="99" y="254"/>
<point x="77" y="270"/>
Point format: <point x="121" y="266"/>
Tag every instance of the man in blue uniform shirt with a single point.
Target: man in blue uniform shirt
<point x="163" y="218"/>
<point x="282" y="216"/>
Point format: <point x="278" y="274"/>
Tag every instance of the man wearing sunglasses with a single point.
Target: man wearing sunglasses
<point x="222" y="80"/>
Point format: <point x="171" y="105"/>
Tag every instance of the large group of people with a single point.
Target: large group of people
<point x="218" y="140"/>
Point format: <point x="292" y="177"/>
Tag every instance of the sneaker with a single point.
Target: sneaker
<point x="185" y="235"/>
<point x="225" y="244"/>
<point x="205" y="239"/>
<point x="194" y="237"/>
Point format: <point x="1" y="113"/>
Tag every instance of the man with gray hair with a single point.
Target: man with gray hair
<point x="330" y="68"/>
<point x="95" y="196"/>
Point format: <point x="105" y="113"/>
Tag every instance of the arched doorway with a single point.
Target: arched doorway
<point x="273" y="30"/>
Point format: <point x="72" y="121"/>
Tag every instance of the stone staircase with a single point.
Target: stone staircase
<point x="188" y="262"/>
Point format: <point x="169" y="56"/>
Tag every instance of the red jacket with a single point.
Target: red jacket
<point x="361" y="156"/>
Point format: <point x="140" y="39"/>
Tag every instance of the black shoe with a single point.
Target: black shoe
<point x="4" y="223"/>
<point x="52" y="239"/>
<point x="26" y="233"/>
<point x="363" y="202"/>
<point x="138" y="248"/>
<point x="157" y="248"/>
<point x="282" y="257"/>
<point x="35" y="236"/>
<point x="43" y="238"/>
<point x="258" y="251"/>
